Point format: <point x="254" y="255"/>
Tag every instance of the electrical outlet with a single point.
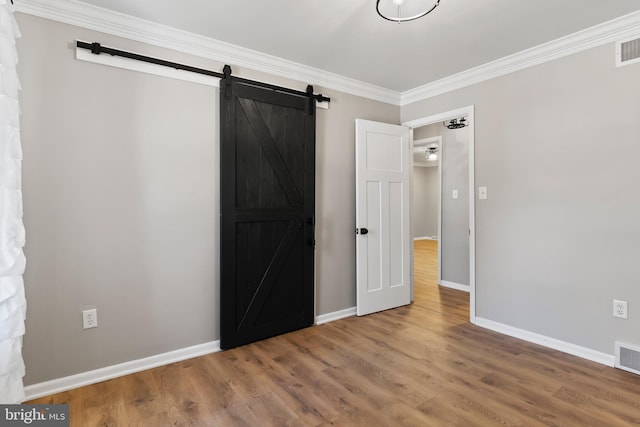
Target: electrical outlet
<point x="619" y="309"/>
<point x="90" y="318"/>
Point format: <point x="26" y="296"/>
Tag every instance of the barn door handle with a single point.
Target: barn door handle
<point x="362" y="231"/>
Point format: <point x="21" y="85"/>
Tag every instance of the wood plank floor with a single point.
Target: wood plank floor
<point x="420" y="365"/>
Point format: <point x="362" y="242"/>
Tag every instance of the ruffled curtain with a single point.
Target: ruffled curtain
<point x="12" y="261"/>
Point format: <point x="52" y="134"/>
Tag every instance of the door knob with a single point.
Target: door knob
<point x="362" y="231"/>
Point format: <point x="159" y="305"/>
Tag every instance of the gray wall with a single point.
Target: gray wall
<point x="120" y="183"/>
<point x="454" y="239"/>
<point x="426" y="189"/>
<point x="558" y="147"/>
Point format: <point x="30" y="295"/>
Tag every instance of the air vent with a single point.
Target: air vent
<point x="628" y="52"/>
<point x="627" y="357"/>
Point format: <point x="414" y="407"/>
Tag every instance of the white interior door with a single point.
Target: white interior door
<point x="383" y="240"/>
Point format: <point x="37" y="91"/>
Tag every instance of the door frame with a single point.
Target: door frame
<point x="436" y="118"/>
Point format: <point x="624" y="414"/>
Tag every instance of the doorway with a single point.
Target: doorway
<point x="426" y="195"/>
<point x="456" y="243"/>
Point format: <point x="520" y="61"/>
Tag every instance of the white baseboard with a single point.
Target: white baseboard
<point x="565" y="347"/>
<point x="453" y="285"/>
<point x="91" y="377"/>
<point x="426" y="238"/>
<point x="336" y="315"/>
<point x="58" y="385"/>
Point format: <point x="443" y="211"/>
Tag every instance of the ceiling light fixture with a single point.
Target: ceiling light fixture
<point x="432" y="153"/>
<point x="455" y="124"/>
<point x="405" y="10"/>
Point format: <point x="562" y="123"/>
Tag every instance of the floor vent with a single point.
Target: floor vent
<point x="628" y="357"/>
<point x="628" y="52"/>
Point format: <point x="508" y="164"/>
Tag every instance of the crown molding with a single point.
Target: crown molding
<point x="80" y="14"/>
<point x="626" y="26"/>
<point x="83" y="15"/>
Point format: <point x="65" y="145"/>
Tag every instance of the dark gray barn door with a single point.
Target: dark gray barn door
<point x="267" y="162"/>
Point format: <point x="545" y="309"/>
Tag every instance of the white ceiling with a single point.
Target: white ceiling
<point x="347" y="37"/>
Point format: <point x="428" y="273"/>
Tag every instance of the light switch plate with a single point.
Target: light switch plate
<point x="455" y="194"/>
<point x="482" y="193"/>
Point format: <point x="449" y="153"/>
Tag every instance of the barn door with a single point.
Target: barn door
<point x="267" y="163"/>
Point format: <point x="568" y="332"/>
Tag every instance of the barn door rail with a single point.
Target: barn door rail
<point x="97" y="49"/>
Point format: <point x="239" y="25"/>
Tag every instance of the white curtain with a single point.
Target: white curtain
<point x="12" y="261"/>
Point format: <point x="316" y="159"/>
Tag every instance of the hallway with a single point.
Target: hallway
<point x="427" y="292"/>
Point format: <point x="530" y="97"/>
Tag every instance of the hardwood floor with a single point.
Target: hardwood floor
<point x="419" y="365"/>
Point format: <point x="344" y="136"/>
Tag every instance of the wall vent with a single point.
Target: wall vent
<point x="627" y="357"/>
<point x="627" y="52"/>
